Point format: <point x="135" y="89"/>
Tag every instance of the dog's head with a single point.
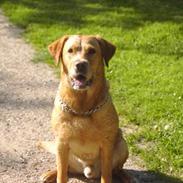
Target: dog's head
<point x="83" y="58"/>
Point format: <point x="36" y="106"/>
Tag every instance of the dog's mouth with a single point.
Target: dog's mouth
<point x="80" y="81"/>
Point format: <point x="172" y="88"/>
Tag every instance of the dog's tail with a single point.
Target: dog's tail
<point x="49" y="146"/>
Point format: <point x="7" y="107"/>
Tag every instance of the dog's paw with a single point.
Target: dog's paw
<point x="49" y="177"/>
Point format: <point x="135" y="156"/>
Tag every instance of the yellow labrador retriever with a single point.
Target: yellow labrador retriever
<point x="84" y="119"/>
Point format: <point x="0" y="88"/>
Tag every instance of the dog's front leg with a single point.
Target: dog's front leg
<point x="106" y="163"/>
<point x="62" y="156"/>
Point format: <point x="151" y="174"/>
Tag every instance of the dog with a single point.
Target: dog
<point x="88" y="139"/>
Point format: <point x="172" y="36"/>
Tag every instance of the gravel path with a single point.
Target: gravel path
<point x="26" y="100"/>
<point x="27" y="92"/>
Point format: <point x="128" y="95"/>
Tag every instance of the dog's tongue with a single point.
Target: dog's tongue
<point x="79" y="82"/>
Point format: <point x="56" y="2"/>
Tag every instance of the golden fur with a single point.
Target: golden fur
<point x="89" y="144"/>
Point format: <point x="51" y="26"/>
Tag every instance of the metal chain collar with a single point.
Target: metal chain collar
<point x="66" y="108"/>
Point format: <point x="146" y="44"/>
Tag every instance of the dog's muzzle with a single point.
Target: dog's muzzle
<point x="80" y="80"/>
<point x="82" y="67"/>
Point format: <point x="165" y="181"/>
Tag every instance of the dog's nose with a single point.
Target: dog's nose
<point x="82" y="67"/>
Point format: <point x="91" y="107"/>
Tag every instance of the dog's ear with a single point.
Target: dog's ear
<point x="56" y="48"/>
<point x="107" y="48"/>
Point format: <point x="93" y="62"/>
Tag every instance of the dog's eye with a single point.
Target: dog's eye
<point x="91" y="51"/>
<point x="70" y="50"/>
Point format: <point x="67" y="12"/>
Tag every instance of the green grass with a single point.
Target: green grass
<point x="146" y="74"/>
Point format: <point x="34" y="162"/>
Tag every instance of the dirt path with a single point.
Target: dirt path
<point x="27" y="92"/>
<point x="26" y="98"/>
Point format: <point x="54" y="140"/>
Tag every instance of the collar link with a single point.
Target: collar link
<point x="66" y="108"/>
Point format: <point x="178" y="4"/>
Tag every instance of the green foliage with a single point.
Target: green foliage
<point x="146" y="74"/>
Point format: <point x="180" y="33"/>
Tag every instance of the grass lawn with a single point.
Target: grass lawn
<point x="146" y="74"/>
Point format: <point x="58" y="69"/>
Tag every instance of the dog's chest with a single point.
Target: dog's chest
<point x="84" y="150"/>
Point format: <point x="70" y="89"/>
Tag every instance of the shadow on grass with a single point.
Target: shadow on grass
<point x="152" y="177"/>
<point x="74" y="12"/>
<point x="153" y="10"/>
<point x="76" y="16"/>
